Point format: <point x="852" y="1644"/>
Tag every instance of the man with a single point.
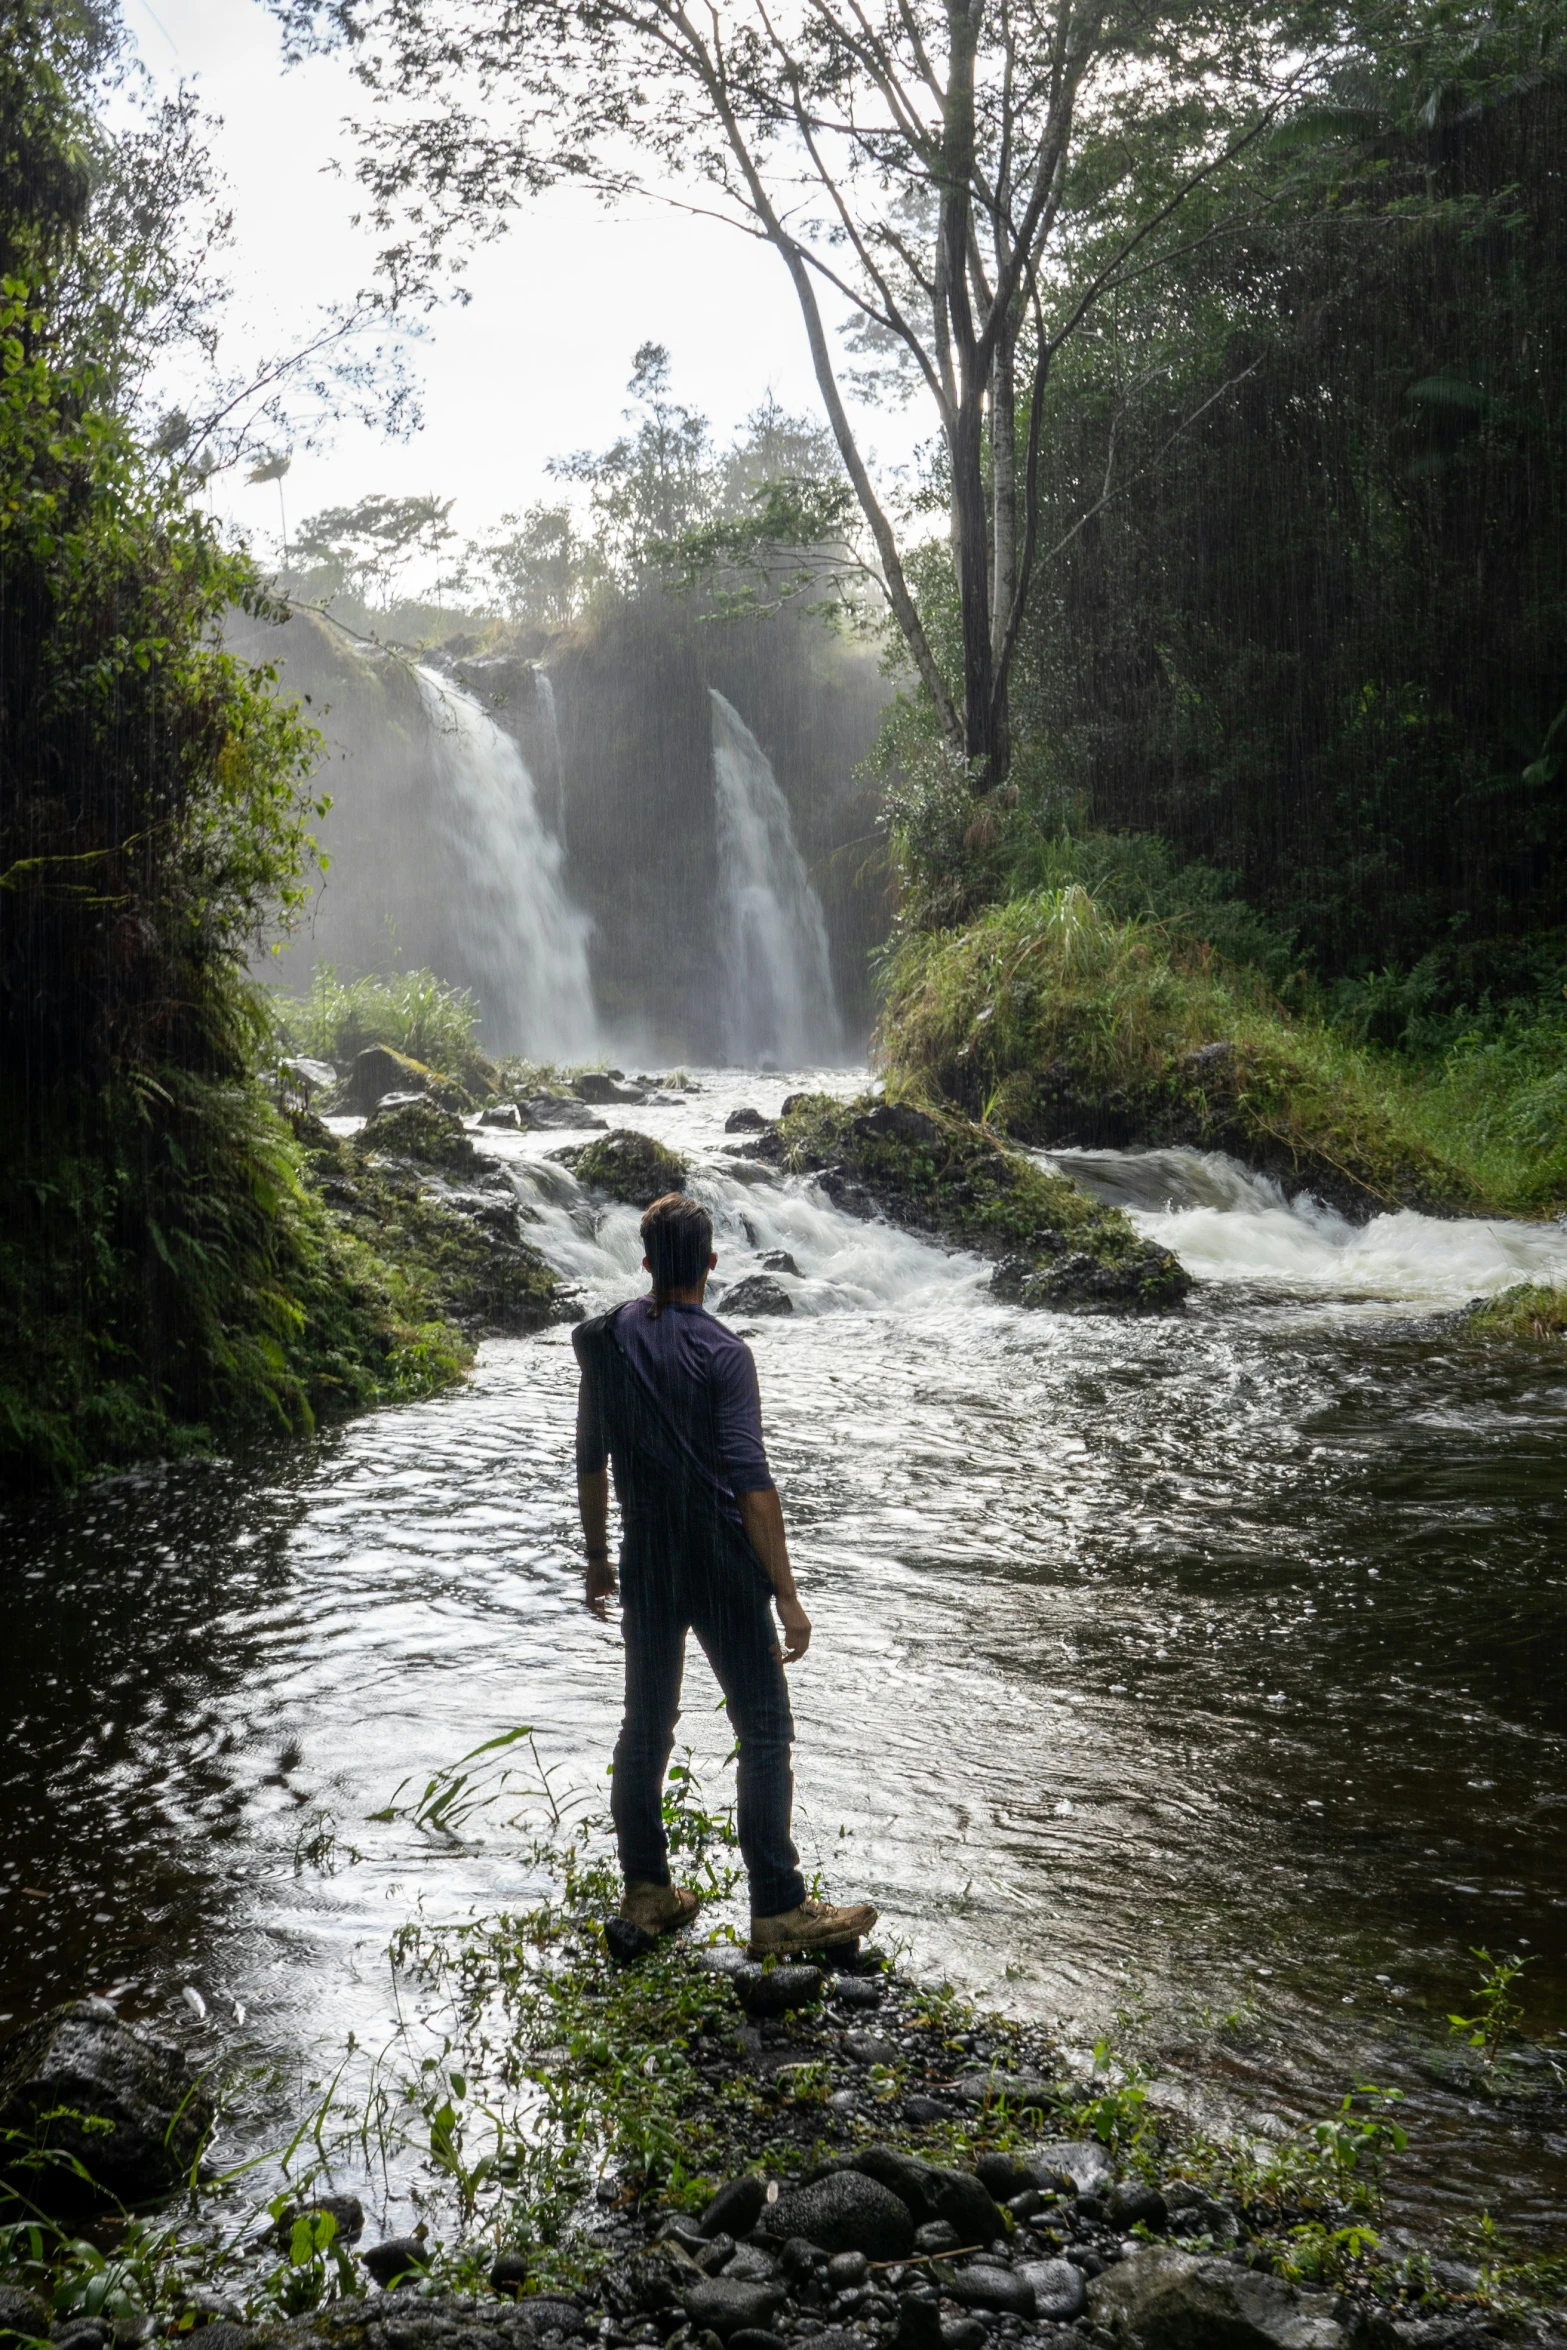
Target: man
<point x="669" y="1397"/>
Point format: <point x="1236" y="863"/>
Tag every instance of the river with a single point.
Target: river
<point x="1197" y="1678"/>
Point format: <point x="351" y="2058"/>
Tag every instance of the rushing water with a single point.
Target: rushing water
<point x="1205" y="1669"/>
<point x="524" y="937"/>
<point x="779" y="1008"/>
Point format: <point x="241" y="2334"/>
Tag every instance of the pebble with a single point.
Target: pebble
<point x="1131" y="2204"/>
<point x="963" y="2333"/>
<point x="983" y="2286"/>
<point x="920" y="2110"/>
<point x="857" y="1991"/>
<point x="845" y="2212"/>
<point x="729" y="2307"/>
<point x="870" y="2048"/>
<point x="846" y="2269"/>
<point x="773" y="1991"/>
<point x="1059" y="2291"/>
<point x="737" y="2207"/>
<point x="508" y="2274"/>
<point x="937" y="2235"/>
<point x="397" y="2256"/>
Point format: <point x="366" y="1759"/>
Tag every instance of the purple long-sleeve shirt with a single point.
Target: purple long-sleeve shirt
<point x="704" y="1377"/>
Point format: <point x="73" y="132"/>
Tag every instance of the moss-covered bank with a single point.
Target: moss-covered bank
<point x="941" y="1174"/>
<point x="1063" y="1026"/>
<point x="1531" y="1309"/>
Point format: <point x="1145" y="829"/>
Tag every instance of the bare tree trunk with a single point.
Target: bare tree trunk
<point x="1003" y="492"/>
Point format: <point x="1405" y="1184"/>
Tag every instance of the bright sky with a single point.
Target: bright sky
<point x="536" y="364"/>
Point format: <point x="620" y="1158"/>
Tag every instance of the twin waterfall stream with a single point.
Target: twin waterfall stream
<point x="1196" y="1678"/>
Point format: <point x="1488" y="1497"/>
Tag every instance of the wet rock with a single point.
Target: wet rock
<point x="1081" y="2160"/>
<point x="223" y="2334"/>
<point x="501" y="1114"/>
<point x="745" y="1120"/>
<point x="418" y="1130"/>
<point x="894" y="1122"/>
<point x="656" y="2279"/>
<point x="552" y="1109"/>
<point x="919" y="2111"/>
<point x="737" y="2207"/>
<point x="1192" y="2213"/>
<point x="869" y="2048"/>
<point x="716" y="2254"/>
<point x="508" y="2274"/>
<point x="1162" y="2299"/>
<point x="597" y="1085"/>
<point x="627" y="1943"/>
<point x="630" y="1167"/>
<point x="1131" y="2204"/>
<point x="305" y="1077"/>
<point x="963" y="2333"/>
<point x="545" y="2313"/>
<point x="857" y="1991"/>
<point x="377" y="1071"/>
<point x="778" y="1260"/>
<point x="728" y="2307"/>
<point x="982" y="2286"/>
<point x="772" y="1991"/>
<point x="394" y="2258"/>
<point x="845" y="2270"/>
<point x="1000" y="2176"/>
<point x="1060" y="2290"/>
<point x="22" y="2318"/>
<point x="919" y="2324"/>
<point x="758" y="1293"/>
<point x="847" y="2212"/>
<point x="756" y="2338"/>
<point x="346" y="2210"/>
<point x="1024" y="2092"/>
<point x="934" y="2236"/>
<point x="751" y="2266"/>
<point x="80" y="2060"/>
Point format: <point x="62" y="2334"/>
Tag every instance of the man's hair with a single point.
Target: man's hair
<point x="677" y="1240"/>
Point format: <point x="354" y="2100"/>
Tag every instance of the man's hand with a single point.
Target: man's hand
<point x="600" y="1585"/>
<point x="797" y="1628"/>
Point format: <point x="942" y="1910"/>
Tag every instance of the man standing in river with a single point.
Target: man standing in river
<point x="669" y="1397"/>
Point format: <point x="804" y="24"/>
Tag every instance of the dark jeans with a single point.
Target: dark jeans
<point x="670" y="1584"/>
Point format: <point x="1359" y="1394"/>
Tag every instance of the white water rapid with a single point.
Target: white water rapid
<point x="525" y="938"/>
<point x="779" y="1007"/>
<point x="1231" y="1226"/>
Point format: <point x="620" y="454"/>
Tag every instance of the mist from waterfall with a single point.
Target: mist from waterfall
<point x="526" y="943"/>
<point x="779" y="1007"/>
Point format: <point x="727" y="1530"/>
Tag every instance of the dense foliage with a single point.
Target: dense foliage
<point x="161" y="1266"/>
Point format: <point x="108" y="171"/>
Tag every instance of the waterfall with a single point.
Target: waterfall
<point x="525" y="941"/>
<point x="779" y="1008"/>
<point x="558" y="763"/>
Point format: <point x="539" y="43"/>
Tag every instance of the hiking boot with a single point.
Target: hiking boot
<point x="656" y="1908"/>
<point x="815" y="1925"/>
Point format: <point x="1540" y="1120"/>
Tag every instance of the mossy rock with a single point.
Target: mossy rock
<point x="457" y="1260"/>
<point x="421" y="1131"/>
<point x="630" y="1167"/>
<point x="378" y="1071"/>
<point x="935" y="1173"/>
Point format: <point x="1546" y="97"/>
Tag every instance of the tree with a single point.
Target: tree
<point x="365" y="549"/>
<point x="968" y="178"/>
<point x="654" y="482"/>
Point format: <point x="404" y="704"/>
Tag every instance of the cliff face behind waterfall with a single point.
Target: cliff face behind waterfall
<point x="618" y="751"/>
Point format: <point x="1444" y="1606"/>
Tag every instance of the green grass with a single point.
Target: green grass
<point x="413" y="1012"/>
<point x="1531" y="1310"/>
<point x="1055" y="1020"/>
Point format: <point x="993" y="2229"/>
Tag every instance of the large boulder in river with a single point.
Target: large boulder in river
<point x="379" y="1070"/>
<point x="418" y="1130"/>
<point x="1166" y="2300"/>
<point x="126" y="2115"/>
<point x="758" y="1293"/>
<point x="845" y="2212"/>
<point x="930" y="2193"/>
<point x="630" y="1167"/>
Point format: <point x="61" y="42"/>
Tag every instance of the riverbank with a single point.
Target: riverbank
<point x="1065" y="1026"/>
<point x="668" y="2144"/>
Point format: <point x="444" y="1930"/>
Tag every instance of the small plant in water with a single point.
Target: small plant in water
<point x="1498" y="2014"/>
<point x="1357" y="2141"/>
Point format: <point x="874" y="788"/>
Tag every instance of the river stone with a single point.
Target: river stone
<point x="82" y="2059"/>
<point x="727" y="2306"/>
<point x="548" y="2313"/>
<point x="846" y="2212"/>
<point x="771" y="1991"/>
<point x="630" y="1167"/>
<point x="895" y="1122"/>
<point x="999" y="2175"/>
<point x="934" y="2236"/>
<point x="1192" y="2213"/>
<point x="645" y="2281"/>
<point x="778" y="1260"/>
<point x="983" y="2286"/>
<point x="1132" y="2204"/>
<point x="1060" y="2293"/>
<point x="932" y="2193"/>
<point x="869" y="2048"/>
<point x="377" y="1071"/>
<point x="745" y="1120"/>
<point x="857" y="1991"/>
<point x="597" y="1085"/>
<point x="736" y="2208"/>
<point x="22" y="2318"/>
<point x="552" y="1109"/>
<point x="395" y="2258"/>
<point x="919" y="2324"/>
<point x="418" y="1130"/>
<point x="1162" y="2299"/>
<point x="919" y="2111"/>
<point x="756" y="2338"/>
<point x="509" y="2273"/>
<point x="501" y="1114"/>
<point x="346" y="2210"/>
<point x="1024" y="2092"/>
<point x="758" y="1293"/>
<point x="1081" y="2160"/>
<point x="964" y="2333"/>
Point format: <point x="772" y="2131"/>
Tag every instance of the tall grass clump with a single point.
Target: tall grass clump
<point x="1061" y="1023"/>
<point x="413" y="1012"/>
